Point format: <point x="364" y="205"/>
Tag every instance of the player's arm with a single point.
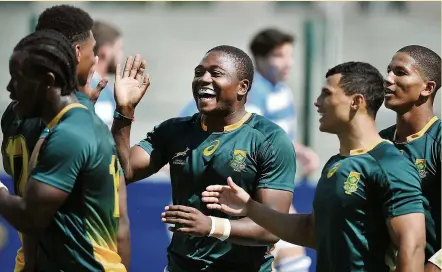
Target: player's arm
<point x="49" y="185"/>
<point x="271" y="222"/>
<point x="399" y="188"/>
<point x="123" y="225"/>
<point x="143" y="159"/>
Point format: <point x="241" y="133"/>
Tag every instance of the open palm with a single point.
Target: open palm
<point x="230" y="199"/>
<point x="131" y="87"/>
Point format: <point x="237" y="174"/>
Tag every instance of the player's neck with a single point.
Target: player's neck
<point x="218" y="123"/>
<point x="412" y="121"/>
<point x="55" y="105"/>
<point x="360" y="134"/>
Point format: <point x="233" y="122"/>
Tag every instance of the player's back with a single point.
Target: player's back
<point x="424" y="150"/>
<point x="83" y="233"/>
<point x="354" y="197"/>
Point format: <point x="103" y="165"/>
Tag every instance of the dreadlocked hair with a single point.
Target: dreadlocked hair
<point x="48" y="51"/>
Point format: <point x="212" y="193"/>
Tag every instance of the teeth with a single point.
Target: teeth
<point x="203" y="91"/>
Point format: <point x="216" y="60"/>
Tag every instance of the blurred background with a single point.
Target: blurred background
<point x="174" y="36"/>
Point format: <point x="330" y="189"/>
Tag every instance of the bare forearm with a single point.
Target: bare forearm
<point x="411" y="258"/>
<point x="121" y="133"/>
<point x="245" y="232"/>
<point x="124" y="243"/>
<point x="13" y="209"/>
<point x="294" y="228"/>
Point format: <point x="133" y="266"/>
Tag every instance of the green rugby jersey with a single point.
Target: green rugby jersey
<point x="355" y="196"/>
<point x="424" y="151"/>
<point x="255" y="152"/>
<point x="19" y="139"/>
<point x="79" y="157"/>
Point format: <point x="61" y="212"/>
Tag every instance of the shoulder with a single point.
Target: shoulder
<point x="390" y="161"/>
<point x="267" y="130"/>
<point x="388" y="133"/>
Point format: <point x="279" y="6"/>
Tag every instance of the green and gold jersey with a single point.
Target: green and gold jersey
<point x="424" y="151"/>
<point x="19" y="139"/>
<point x="79" y="157"/>
<point x="255" y="153"/>
<point x="355" y="196"/>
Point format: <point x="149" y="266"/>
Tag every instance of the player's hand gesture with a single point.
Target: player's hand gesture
<point x="132" y="85"/>
<point x="93" y="93"/>
<point x="230" y="199"/>
<point x="187" y="220"/>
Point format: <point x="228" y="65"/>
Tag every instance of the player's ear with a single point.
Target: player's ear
<point x="357" y="102"/>
<point x="49" y="80"/>
<point x="430" y="88"/>
<point x="78" y="52"/>
<point x="243" y="87"/>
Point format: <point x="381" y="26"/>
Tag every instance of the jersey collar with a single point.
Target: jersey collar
<point x="57" y="118"/>
<point x="361" y="151"/>
<point x="419" y="134"/>
<point x="232" y="126"/>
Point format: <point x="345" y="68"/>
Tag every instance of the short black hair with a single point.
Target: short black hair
<point x="361" y="78"/>
<point x="50" y="51"/>
<point x="74" y="23"/>
<point x="243" y="63"/>
<point x="104" y="33"/>
<point x="427" y="61"/>
<point x="268" y="39"/>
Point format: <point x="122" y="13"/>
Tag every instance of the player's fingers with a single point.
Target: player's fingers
<point x="135" y="66"/>
<point x="210" y="199"/>
<point x="177" y="214"/>
<point x="206" y="193"/>
<point x="214" y="206"/>
<point x="128" y="66"/>
<point x="101" y="85"/>
<point x="232" y="184"/>
<point x="176" y="221"/>
<point x="146" y="83"/>
<point x="184" y="230"/>
<point x="140" y="71"/>
<point x="178" y="208"/>
<point x="215" y="188"/>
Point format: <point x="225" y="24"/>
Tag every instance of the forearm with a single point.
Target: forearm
<point x="30" y="250"/>
<point x="124" y="242"/>
<point x="121" y="133"/>
<point x="245" y="232"/>
<point x="410" y="258"/>
<point x="294" y="228"/>
<point x="13" y="209"/>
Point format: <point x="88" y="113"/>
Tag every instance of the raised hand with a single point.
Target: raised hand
<point x="132" y="85"/>
<point x="93" y="93"/>
<point x="230" y="199"/>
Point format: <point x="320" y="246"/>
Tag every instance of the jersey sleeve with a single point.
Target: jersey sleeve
<point x="399" y="186"/>
<point x="155" y="144"/>
<point x="60" y="160"/>
<point x="277" y="163"/>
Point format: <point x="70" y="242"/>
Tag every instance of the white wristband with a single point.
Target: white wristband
<point x="220" y="228"/>
<point x="436" y="259"/>
<point x="3" y="186"/>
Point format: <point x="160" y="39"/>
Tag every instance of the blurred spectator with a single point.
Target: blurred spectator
<point x="109" y="49"/>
